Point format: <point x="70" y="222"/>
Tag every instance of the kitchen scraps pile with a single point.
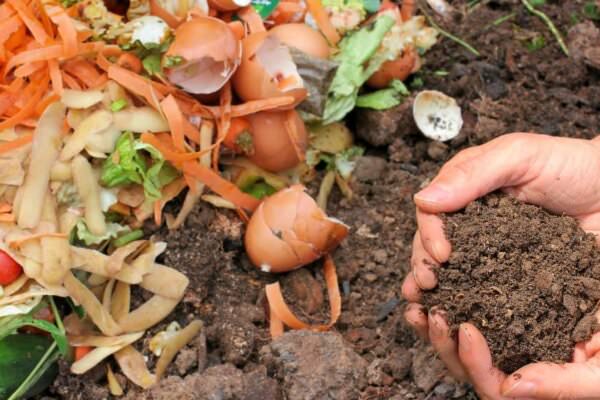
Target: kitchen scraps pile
<point x="110" y="110"/>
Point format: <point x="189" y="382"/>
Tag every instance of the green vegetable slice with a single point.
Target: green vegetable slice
<point x="136" y="162"/>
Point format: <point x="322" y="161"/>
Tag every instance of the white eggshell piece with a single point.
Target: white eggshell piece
<point x="438" y="116"/>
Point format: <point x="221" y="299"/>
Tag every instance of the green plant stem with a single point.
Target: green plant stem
<point x="504" y="19"/>
<point x="49" y="357"/>
<point x="448" y="34"/>
<point x="549" y="24"/>
<point x="57" y="317"/>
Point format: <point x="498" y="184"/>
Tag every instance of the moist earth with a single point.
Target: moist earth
<point x="529" y="280"/>
<point x="510" y="87"/>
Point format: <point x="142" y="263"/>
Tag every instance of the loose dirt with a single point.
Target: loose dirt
<point x="527" y="279"/>
<point x="508" y="88"/>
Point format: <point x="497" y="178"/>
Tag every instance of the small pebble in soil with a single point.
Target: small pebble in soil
<point x="523" y="276"/>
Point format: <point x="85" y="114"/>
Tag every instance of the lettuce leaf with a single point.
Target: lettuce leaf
<point x="356" y="49"/>
<point x="112" y="231"/>
<point x="136" y="162"/>
<point x="384" y="98"/>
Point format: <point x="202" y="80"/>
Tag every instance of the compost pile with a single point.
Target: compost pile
<point x="528" y="279"/>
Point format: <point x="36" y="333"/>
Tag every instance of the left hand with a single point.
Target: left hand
<point x="472" y="360"/>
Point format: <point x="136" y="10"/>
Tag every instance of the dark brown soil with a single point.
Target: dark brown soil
<point x="526" y="278"/>
<point x="507" y="88"/>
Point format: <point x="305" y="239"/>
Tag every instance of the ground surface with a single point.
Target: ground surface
<point x="370" y="354"/>
<point x="526" y="278"/>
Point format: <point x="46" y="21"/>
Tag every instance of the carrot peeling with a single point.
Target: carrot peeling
<point x="221" y="186"/>
<point x="318" y="12"/>
<point x="279" y="310"/>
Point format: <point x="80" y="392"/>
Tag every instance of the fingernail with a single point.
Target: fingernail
<point x="436" y="249"/>
<point x="521" y="389"/>
<point x="432" y="194"/>
<point x="466" y="341"/>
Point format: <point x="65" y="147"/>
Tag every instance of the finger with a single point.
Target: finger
<point x="555" y="381"/>
<point x="579" y="354"/>
<point x="475" y="356"/>
<point x="417" y="319"/>
<point x="485" y="169"/>
<point x="433" y="239"/>
<point x="442" y="342"/>
<point x="410" y="289"/>
<point x="423" y="265"/>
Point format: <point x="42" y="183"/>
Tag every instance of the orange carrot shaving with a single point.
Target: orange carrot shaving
<point x="131" y="62"/>
<point x="175" y="119"/>
<point x="81" y="351"/>
<point x="5" y="147"/>
<point x="29" y="19"/>
<point x="290" y="127"/>
<point x="71" y="82"/>
<point x="66" y="29"/>
<point x="84" y="71"/>
<point x="28" y="69"/>
<point x="7" y="218"/>
<point x="5" y="208"/>
<point x="41" y="106"/>
<point x="252" y="19"/>
<point x="223" y="123"/>
<point x="254" y="106"/>
<point x="55" y="77"/>
<point x="280" y="310"/>
<point x="407" y="10"/>
<point x="135" y="84"/>
<point x="16" y="243"/>
<point x="29" y="108"/>
<point x="221" y="186"/>
<point x="169" y="152"/>
<point x="318" y="12"/>
<point x="157" y="10"/>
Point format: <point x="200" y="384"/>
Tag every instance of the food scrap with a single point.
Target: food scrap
<point x="108" y="112"/>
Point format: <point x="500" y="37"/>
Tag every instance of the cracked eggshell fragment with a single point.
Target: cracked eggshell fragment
<point x="149" y="30"/>
<point x="229" y="5"/>
<point x="209" y="54"/>
<point x="267" y="70"/>
<point x="437" y="116"/>
<point x="289" y="230"/>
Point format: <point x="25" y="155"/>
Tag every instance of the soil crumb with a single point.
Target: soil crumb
<point x="528" y="279"/>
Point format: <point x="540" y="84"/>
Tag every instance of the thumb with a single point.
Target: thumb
<point x="554" y="381"/>
<point x="475" y="172"/>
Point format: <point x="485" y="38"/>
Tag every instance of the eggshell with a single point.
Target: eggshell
<point x="211" y="53"/>
<point x="228" y="5"/>
<point x="266" y="65"/>
<point x="289" y="230"/>
<point x="302" y="37"/>
<point x="279" y="139"/>
<point x="399" y="68"/>
<point x="438" y="116"/>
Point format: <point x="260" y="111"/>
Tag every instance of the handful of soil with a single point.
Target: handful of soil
<point x="528" y="279"/>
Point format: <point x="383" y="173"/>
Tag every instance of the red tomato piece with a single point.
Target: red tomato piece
<point x="10" y="270"/>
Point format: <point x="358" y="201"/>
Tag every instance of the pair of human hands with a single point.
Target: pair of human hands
<point x="559" y="174"/>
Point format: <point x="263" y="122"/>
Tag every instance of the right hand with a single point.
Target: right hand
<point x="559" y="174"/>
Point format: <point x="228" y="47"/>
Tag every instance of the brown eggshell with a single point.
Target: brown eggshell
<point x="271" y="138"/>
<point x="399" y="68"/>
<point x="211" y="54"/>
<point x="272" y="240"/>
<point x="303" y="38"/>
<point x="228" y="5"/>
<point x="252" y="81"/>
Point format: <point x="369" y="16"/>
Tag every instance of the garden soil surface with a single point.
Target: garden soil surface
<point x="518" y="83"/>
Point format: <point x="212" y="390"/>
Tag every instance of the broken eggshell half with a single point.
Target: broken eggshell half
<point x="207" y="53"/>
<point x="288" y="230"/>
<point x="437" y="116"/>
<point x="267" y="70"/>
